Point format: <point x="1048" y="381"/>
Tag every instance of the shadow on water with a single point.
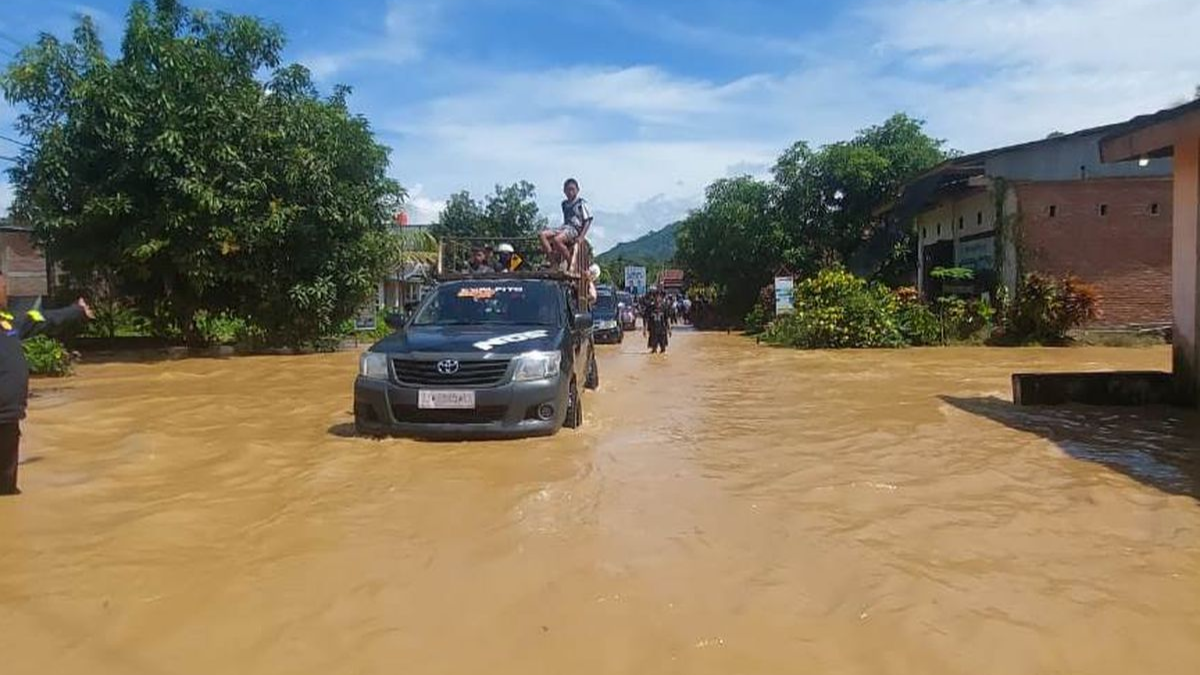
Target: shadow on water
<point x="344" y="431"/>
<point x="1157" y="446"/>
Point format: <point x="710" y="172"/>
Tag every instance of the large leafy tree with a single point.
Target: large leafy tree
<point x="734" y="241"/>
<point x="461" y="217"/>
<point x="816" y="212"/>
<point x="192" y="185"/>
<point x="827" y="197"/>
<point x="509" y="213"/>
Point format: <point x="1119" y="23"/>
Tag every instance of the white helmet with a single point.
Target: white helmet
<point x="504" y="248"/>
<point x="594" y="271"/>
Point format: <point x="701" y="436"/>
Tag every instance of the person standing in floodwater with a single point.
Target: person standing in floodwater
<point x="656" y="323"/>
<point x="14" y="374"/>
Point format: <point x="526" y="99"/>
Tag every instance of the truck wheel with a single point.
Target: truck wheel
<point x="574" y="408"/>
<point x="593" y="373"/>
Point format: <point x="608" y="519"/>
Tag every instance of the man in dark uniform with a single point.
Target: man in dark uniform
<point x="14" y="374"/>
<point x="656" y="323"/>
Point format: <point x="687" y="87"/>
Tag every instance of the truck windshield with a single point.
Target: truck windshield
<point x="606" y="301"/>
<point x="492" y="303"/>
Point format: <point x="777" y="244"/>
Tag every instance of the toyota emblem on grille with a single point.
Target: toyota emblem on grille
<point x="448" y="367"/>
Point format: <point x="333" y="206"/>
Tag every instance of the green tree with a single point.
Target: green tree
<point x="733" y="242"/>
<point x="816" y="212"/>
<point x="827" y="198"/>
<point x="196" y="187"/>
<point x="462" y="217"/>
<point x="509" y="213"/>
<point x="512" y="212"/>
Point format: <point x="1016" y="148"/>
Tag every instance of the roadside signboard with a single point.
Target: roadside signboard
<point x="784" y="294"/>
<point x="365" y="319"/>
<point x="635" y="277"/>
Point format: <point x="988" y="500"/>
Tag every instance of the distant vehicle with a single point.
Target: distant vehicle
<point x="606" y="322"/>
<point x="627" y="310"/>
<point x="483" y="356"/>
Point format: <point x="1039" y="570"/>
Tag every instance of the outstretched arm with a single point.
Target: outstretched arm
<point x="36" y="322"/>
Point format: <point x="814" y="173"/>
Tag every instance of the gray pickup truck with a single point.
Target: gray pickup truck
<point x="490" y="356"/>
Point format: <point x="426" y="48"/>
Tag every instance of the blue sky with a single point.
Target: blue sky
<point x="647" y="102"/>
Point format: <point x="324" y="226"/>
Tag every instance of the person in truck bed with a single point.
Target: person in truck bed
<point x="14" y="374"/>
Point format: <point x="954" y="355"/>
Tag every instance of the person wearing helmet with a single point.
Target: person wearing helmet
<point x="508" y="260"/>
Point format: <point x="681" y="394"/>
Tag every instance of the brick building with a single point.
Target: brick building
<point x="22" y="264"/>
<point x="1050" y="206"/>
<point x="1174" y="133"/>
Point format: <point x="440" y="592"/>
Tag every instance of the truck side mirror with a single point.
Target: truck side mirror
<point x="583" y="320"/>
<point x="394" y="321"/>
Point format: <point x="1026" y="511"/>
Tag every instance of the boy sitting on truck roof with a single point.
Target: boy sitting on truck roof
<point x="577" y="217"/>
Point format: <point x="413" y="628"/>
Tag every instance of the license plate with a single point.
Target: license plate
<point x="445" y="400"/>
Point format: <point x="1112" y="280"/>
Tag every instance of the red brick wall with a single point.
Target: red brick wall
<point x="22" y="264"/>
<point x="1125" y="254"/>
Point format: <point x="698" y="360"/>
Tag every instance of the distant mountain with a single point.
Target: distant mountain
<point x="659" y="246"/>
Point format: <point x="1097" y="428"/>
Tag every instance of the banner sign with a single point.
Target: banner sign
<point x="365" y="320"/>
<point x="784" y="295"/>
<point x="635" y="278"/>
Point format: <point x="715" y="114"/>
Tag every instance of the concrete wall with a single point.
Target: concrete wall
<point x="22" y="264"/>
<point x="975" y="211"/>
<point x="1068" y="158"/>
<point x="1186" y="266"/>
<point x="1125" y="253"/>
<point x="953" y="219"/>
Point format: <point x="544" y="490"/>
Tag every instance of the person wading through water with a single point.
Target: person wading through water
<point x="14" y="374"/>
<point x="656" y="324"/>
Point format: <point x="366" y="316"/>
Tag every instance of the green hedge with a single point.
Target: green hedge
<point x="47" y="357"/>
<point x="837" y="310"/>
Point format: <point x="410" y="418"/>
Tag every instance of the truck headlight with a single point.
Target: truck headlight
<point x="373" y="366"/>
<point x="533" y="366"/>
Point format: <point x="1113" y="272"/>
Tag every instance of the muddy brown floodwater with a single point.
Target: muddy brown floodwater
<point x="727" y="509"/>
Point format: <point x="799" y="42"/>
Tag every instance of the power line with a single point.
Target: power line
<point x="23" y="144"/>
<point x="8" y="38"/>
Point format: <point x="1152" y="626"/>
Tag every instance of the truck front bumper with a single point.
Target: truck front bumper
<point x="513" y="410"/>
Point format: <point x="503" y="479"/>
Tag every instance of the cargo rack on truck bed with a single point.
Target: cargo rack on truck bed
<point x="454" y="254"/>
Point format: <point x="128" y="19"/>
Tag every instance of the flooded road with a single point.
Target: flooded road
<point x="726" y="509"/>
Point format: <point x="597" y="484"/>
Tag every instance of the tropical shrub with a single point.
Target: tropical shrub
<point x="961" y="319"/>
<point x="1045" y="308"/>
<point x="918" y="324"/>
<point x="762" y="313"/>
<point x="47" y="356"/>
<point x="836" y="310"/>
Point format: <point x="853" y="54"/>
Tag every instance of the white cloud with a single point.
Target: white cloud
<point x="982" y="73"/>
<point x="1045" y="35"/>
<point x="662" y="26"/>
<point x="406" y="27"/>
<point x="422" y="209"/>
<point x="645" y="139"/>
<point x="1000" y="71"/>
<point x="652" y="214"/>
<point x="6" y="198"/>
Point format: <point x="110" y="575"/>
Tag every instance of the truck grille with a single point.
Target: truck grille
<point x="469" y="374"/>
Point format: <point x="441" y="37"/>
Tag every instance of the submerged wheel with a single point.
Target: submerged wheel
<point x="574" y="408"/>
<point x="593" y="373"/>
